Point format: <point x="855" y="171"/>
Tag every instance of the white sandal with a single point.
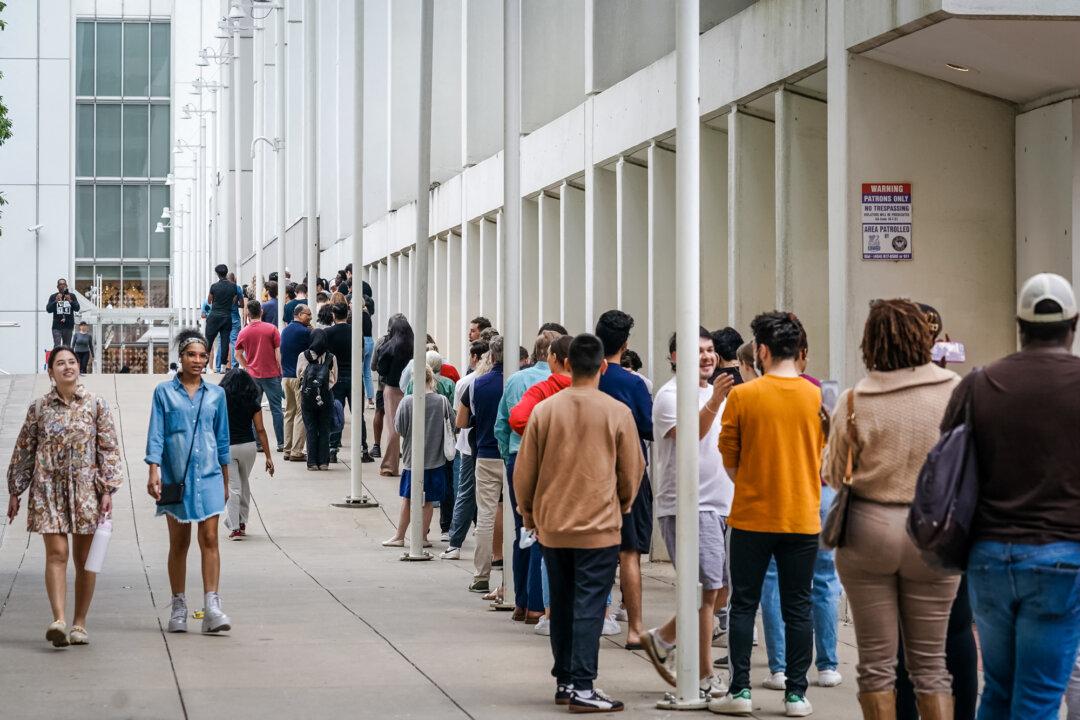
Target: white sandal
<point x="393" y="543"/>
<point x="78" y="635"/>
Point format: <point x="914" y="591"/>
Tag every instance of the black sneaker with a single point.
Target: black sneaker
<point x="367" y="458"/>
<point x="496" y="563"/>
<point x="563" y="693"/>
<point x="375" y="451"/>
<point x="593" y="701"/>
<point x="333" y="456"/>
<point x="720" y="662"/>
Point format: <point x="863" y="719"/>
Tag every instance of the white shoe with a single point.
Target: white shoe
<point x="445" y="537"/>
<point x="451" y="553"/>
<point x="611" y="626"/>
<point x="776" y="681"/>
<point x="543" y="626"/>
<point x="621" y="615"/>
<point x="713" y="687"/>
<point x="796" y="706"/>
<point x="729" y="704"/>
<point x="828" y="678"/>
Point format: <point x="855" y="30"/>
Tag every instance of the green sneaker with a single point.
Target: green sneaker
<point x="479" y="586"/>
<point x="737" y="704"/>
<point x="797" y="706"/>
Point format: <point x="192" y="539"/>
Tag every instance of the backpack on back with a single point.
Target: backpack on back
<point x="315" y="385"/>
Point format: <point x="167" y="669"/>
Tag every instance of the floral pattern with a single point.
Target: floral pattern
<point x="67" y="455"/>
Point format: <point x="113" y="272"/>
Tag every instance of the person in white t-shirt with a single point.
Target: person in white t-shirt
<point x="715" y="491"/>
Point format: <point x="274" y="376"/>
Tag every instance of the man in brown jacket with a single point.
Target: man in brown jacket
<point x="577" y="472"/>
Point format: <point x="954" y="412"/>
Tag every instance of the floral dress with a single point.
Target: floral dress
<point x="68" y="457"/>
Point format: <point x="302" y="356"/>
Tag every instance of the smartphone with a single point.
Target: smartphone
<point x="953" y="352"/>
<point x="732" y="371"/>
<point x="830" y="393"/>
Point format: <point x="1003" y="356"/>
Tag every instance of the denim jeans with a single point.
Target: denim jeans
<point x="1026" y="601"/>
<point x="825" y="597"/>
<point x="369" y="389"/>
<point x="272" y="387"/>
<point x="464" y="501"/>
<point x="232" y="340"/>
<point x="526" y="572"/>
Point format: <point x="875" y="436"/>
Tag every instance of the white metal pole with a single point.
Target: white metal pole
<point x="203" y="238"/>
<point x="238" y="177"/>
<point x="511" y="237"/>
<point x="420" y="288"/>
<point x="280" y="88"/>
<point x="214" y="247"/>
<point x="687" y="316"/>
<point x="258" y="164"/>
<point x="178" y="267"/>
<point x="311" y="54"/>
<point x="191" y="236"/>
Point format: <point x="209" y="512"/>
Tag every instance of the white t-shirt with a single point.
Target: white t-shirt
<point x="715" y="487"/>
<point x="459" y="390"/>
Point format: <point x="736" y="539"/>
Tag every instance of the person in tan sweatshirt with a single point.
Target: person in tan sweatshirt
<point x="577" y="473"/>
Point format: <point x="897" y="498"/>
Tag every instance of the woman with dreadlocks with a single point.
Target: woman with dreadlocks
<point x="889" y="422"/>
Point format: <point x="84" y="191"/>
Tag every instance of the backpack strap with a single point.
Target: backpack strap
<point x="852" y="437"/>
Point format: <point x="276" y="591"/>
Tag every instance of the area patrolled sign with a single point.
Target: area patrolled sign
<point x="886" y="221"/>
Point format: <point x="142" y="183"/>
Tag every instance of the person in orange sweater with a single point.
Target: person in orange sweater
<point x="577" y="473"/>
<point x="559" y="379"/>
<point x="771" y="441"/>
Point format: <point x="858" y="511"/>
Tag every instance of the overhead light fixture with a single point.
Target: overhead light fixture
<point x="957" y="67"/>
<point x="160" y="228"/>
<point x="166" y="213"/>
<point x="235" y="13"/>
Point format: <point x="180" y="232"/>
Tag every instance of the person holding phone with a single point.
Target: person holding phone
<point x="187" y="449"/>
<point x="63" y="306"/>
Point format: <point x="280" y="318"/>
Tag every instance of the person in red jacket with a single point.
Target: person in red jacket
<point x="559" y="379"/>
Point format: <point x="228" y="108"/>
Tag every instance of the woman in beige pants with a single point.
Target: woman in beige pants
<point x="897" y="409"/>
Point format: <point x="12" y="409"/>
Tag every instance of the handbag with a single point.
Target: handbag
<point x="173" y="493"/>
<point x="449" y="441"/>
<point x="834" y="532"/>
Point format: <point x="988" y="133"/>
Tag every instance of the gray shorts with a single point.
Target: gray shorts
<point x="712" y="547"/>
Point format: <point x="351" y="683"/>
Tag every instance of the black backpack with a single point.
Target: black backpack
<point x="315" y="384"/>
<point x="946" y="495"/>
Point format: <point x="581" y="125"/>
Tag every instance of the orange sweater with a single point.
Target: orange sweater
<point x="772" y="433"/>
<point x="578" y="469"/>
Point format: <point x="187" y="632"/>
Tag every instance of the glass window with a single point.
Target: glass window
<point x="136" y="59"/>
<point x="159" y="140"/>
<point x="159" y="241"/>
<point x="108" y="58"/>
<point x="159" y="59"/>
<point x="84" y="140"/>
<point x="84" y="279"/>
<point x="158" y="293"/>
<point x="110" y="285"/>
<point x="136" y="139"/>
<point x="84" y="53"/>
<point x="135" y="221"/>
<point x="84" y="221"/>
<point x="107" y="145"/>
<point x="135" y="285"/>
<point x="107" y="221"/>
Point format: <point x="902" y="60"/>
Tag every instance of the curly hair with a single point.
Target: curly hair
<point x="187" y="334"/>
<point x="240" y="388"/>
<point x="613" y="329"/>
<point x="896" y="335"/>
<point x="781" y="332"/>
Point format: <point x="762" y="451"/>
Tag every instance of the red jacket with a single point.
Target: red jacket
<point x="449" y="371"/>
<point x="519" y="415"/>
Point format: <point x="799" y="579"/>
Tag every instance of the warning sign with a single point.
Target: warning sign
<point x="886" y="221"/>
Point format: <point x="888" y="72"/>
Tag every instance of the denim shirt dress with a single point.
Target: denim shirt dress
<point x="172" y="427"/>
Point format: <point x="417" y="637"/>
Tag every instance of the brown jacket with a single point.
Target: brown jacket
<point x="578" y="469"/>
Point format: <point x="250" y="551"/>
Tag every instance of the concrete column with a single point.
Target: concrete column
<point x="382" y="295"/>
<point x="433" y="283"/>
<point x="393" y="288"/>
<point x="453" y="337"/>
<point x="438" y="293"/>
<point x="714" y="229"/>
<point x="631" y="248"/>
<point x="548" y="265"/>
<point x="499" y="270"/>
<point x="471" y="273"/>
<point x="530" y="275"/>
<point x="572" y="258"/>
<point x="600" y="243"/>
<point x="836" y="56"/>
<point x="661" y="263"/>
<point x="489" y="271"/>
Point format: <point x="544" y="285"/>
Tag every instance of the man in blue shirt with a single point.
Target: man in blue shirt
<point x="481" y="407"/>
<point x="613" y="329"/>
<point x="295" y="339"/>
<point x="270" y="307"/>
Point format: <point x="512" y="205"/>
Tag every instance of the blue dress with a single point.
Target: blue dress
<point x="172" y="427"/>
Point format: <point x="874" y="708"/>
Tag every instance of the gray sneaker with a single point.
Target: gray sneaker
<point x="178" y="618"/>
<point x="214" y="620"/>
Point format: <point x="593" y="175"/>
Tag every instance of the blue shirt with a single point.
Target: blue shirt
<point x="236" y="309"/>
<point x="295" y="339"/>
<point x="630" y="390"/>
<point x="269" y="311"/>
<point x="173" y="432"/>
<point x="519" y="382"/>
<point x="483" y="400"/>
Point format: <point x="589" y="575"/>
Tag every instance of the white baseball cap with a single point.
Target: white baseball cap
<point x="1046" y="286"/>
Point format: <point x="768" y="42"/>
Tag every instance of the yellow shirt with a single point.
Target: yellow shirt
<point x="772" y="433"/>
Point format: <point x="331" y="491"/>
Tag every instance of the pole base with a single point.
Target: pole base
<point x="424" y="555"/>
<point x="356" y="503"/>
<point x="671" y="702"/>
<point x="502" y="606"/>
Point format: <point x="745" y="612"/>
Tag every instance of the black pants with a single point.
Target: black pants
<point x="795" y="556"/>
<point x="317" y="421"/>
<point x="218" y="327"/>
<point x="84" y="361"/>
<point x="343" y="393"/>
<point x="446" y="507"/>
<point x="961" y="660"/>
<point x="62" y="336"/>
<point x="580" y="581"/>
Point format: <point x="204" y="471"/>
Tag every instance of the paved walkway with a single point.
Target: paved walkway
<point x="327" y="623"/>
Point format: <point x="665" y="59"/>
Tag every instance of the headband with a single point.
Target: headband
<point x="188" y="341"/>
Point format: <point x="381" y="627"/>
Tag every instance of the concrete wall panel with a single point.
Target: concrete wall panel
<point x="661" y="263"/>
<point x="751" y="219"/>
<point x="528" y="271"/>
<point x="572" y="259"/>
<point x="632" y="292"/>
<point x="548" y="275"/>
<point x="1045" y="174"/>
<point x="714" y="228"/>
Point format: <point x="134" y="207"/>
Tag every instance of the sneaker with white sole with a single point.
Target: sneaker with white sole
<point x="178" y="616"/>
<point x="563" y="693"/>
<point x="829" y="678"/>
<point x="611" y="626"/>
<point x="593" y="701"/>
<point x="543" y="626"/>
<point x="621" y="615"/>
<point x="775" y="681"/>
<point x="214" y="618"/>
<point x="713" y="686"/>
<point x="660" y="653"/>
<point x="451" y="553"/>
<point x="445" y="537"/>
<point x="737" y="704"/>
<point x="797" y="706"/>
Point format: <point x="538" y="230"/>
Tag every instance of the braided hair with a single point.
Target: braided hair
<point x="896" y="335"/>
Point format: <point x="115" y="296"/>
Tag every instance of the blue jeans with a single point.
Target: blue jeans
<point x="272" y="388"/>
<point x="527" y="581"/>
<point x="369" y="389"/>
<point x="1026" y="601"/>
<point x="464" y="501"/>
<point x="232" y="340"/>
<point x="825" y="596"/>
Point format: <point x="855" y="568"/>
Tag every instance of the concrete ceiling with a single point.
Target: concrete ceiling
<point x="1017" y="60"/>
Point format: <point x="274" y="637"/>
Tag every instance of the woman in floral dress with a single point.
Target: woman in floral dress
<point x="68" y="458"/>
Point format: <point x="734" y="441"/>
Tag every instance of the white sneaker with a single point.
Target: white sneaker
<point x="776" y="681"/>
<point x="797" y="706"/>
<point x="621" y="615"/>
<point x="828" y="678"/>
<point x="713" y="686"/>
<point x="451" y="553"/>
<point x="445" y="537"/>
<point x="611" y="626"/>
<point x="729" y="704"/>
<point x="543" y="626"/>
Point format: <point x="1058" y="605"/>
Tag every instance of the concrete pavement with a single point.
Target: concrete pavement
<point x="326" y="622"/>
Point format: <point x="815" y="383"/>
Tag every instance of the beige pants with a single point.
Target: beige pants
<point x="489" y="482"/>
<point x="295" y="435"/>
<point x="391" y="450"/>
<point x="889" y="587"/>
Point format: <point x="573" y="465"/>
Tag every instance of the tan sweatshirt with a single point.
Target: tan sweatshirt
<point x="578" y="469"/>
